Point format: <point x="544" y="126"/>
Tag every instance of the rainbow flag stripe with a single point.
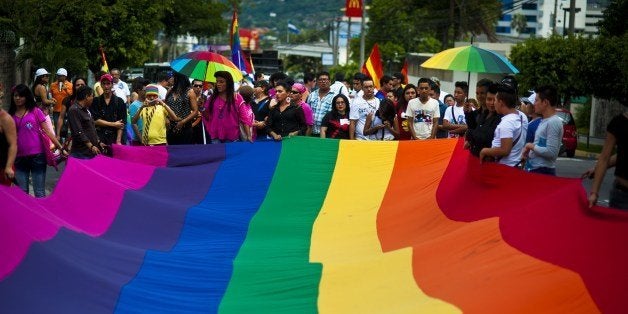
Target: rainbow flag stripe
<point x="309" y="225"/>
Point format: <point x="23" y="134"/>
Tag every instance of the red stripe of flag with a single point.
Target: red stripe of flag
<point x="373" y="66"/>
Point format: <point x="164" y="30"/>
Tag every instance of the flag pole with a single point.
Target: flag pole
<point x="362" y="35"/>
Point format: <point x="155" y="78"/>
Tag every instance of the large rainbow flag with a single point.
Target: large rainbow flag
<point x="309" y="225"/>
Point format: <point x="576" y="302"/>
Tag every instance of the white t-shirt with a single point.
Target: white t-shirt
<point x="424" y="114"/>
<point x="162" y="92"/>
<point x="455" y="115"/>
<point x="383" y="134"/>
<point x="515" y="126"/>
<point x="121" y="89"/>
<point x="339" y="88"/>
<point x="360" y="108"/>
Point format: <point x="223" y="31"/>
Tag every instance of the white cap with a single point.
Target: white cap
<point x="40" y="72"/>
<point x="532" y="98"/>
<point x="62" y="71"/>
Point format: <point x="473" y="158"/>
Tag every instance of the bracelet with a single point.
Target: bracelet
<point x="595" y="193"/>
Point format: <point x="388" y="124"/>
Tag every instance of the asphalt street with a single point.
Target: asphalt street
<point x="566" y="167"/>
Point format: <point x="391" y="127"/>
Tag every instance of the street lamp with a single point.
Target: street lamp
<point x="570" y="18"/>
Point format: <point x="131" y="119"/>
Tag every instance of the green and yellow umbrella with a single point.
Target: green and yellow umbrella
<point x="202" y="65"/>
<point x="470" y="59"/>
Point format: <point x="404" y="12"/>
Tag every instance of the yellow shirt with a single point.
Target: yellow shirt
<point x="154" y="122"/>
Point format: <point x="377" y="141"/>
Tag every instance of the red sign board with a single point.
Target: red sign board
<point x="354" y="8"/>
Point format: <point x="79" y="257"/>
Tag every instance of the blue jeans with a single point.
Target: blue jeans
<point x="35" y="166"/>
<point x="545" y="170"/>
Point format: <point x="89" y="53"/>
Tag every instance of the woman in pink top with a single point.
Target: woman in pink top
<point x="298" y="89"/>
<point x="225" y="111"/>
<point x="29" y="120"/>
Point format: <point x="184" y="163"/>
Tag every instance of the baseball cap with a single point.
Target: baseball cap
<point x="106" y="77"/>
<point x="532" y="98"/>
<point x="62" y="71"/>
<point x="40" y="72"/>
<point x="508" y="84"/>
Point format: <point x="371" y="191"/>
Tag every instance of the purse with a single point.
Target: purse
<point x="53" y="157"/>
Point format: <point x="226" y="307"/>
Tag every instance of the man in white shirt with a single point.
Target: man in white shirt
<point x="542" y="153"/>
<point x="454" y="120"/>
<point x="338" y="87"/>
<point x="509" y="137"/>
<point x="120" y="88"/>
<point x="423" y="113"/>
<point x="361" y="108"/>
<point x="163" y="84"/>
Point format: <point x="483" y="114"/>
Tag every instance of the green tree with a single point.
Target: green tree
<point x="519" y="23"/>
<point x="600" y="67"/>
<point x="69" y="33"/>
<point x="549" y="61"/>
<point x="426" y="26"/>
<point x="614" y="21"/>
<point x="197" y="18"/>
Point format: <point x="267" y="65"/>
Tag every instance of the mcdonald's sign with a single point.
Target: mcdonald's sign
<point x="354" y="8"/>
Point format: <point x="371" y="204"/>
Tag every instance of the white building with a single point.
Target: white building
<point x="542" y="20"/>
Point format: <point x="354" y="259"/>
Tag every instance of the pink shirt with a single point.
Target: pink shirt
<point x="307" y="112"/>
<point x="224" y="124"/>
<point x="28" y="138"/>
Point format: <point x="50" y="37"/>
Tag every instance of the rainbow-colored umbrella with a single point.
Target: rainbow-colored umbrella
<point x="470" y="59"/>
<point x="202" y="65"/>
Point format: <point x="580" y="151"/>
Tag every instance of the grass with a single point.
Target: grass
<point x="591" y="149"/>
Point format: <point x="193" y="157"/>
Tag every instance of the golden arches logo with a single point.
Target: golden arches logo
<point x="354" y="4"/>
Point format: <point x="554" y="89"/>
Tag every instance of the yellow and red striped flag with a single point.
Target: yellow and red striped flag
<point x="105" y="66"/>
<point x="373" y="66"/>
<point x="404" y="71"/>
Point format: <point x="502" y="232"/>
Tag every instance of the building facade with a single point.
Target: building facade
<point x="546" y="17"/>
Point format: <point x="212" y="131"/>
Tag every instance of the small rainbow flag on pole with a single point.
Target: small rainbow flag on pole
<point x="237" y="56"/>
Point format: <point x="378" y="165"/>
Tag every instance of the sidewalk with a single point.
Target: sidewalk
<point x="587" y="155"/>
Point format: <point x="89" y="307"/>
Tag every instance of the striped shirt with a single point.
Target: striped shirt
<point x="320" y="107"/>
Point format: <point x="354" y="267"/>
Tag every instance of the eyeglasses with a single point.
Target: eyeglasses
<point x="197" y="85"/>
<point x="294" y="92"/>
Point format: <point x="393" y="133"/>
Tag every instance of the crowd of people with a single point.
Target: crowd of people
<point x="496" y="125"/>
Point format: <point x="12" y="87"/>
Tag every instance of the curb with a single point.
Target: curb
<point x="585" y="154"/>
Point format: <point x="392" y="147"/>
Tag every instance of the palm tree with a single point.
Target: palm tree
<point x="519" y="24"/>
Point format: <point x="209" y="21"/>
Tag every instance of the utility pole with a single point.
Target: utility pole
<point x="554" y="16"/>
<point x="572" y="16"/>
<point x="337" y="41"/>
<point x="362" y="35"/>
<point x="348" y="47"/>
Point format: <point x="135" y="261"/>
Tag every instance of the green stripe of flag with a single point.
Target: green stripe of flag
<point x="272" y="272"/>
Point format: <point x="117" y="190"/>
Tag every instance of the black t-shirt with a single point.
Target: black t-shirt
<point x="619" y="128"/>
